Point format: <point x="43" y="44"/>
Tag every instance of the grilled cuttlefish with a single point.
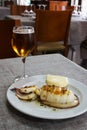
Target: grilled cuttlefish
<point x="59" y="97"/>
<point x="27" y="92"/>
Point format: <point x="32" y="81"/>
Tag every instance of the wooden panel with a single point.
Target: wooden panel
<point x="57" y="5"/>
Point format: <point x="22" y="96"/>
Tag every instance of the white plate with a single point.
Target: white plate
<point x="36" y="110"/>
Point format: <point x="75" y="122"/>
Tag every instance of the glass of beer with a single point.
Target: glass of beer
<point x="23" y="43"/>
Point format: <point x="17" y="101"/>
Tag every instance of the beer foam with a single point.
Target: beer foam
<point x="23" y="30"/>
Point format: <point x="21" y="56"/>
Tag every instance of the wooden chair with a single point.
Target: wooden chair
<point x="6" y="27"/>
<point x="57" y="5"/>
<point x="51" y="31"/>
<point x="18" y="9"/>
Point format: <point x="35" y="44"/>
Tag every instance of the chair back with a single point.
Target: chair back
<point x="57" y="5"/>
<point x="70" y="7"/>
<point x="18" y="9"/>
<point x="52" y="26"/>
<point x="6" y="27"/>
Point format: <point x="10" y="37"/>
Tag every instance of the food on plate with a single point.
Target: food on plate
<point x="57" y="80"/>
<point x="27" y="92"/>
<point x="58" y="97"/>
<point x="54" y="93"/>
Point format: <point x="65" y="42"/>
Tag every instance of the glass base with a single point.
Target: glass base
<point x="20" y="78"/>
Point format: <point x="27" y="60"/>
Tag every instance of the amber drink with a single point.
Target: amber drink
<point x="23" y="42"/>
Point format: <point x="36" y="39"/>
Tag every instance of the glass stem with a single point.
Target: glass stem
<point x="23" y="60"/>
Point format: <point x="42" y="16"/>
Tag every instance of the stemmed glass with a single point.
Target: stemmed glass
<point x="39" y="5"/>
<point x="44" y="6"/>
<point x="27" y="3"/>
<point x="79" y="9"/>
<point x="23" y="43"/>
<point x="31" y="10"/>
<point x="26" y="11"/>
<point x="75" y="9"/>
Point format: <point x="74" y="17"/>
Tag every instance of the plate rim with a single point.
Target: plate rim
<point x="45" y="117"/>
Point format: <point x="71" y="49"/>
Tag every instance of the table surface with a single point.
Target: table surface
<point x="11" y="119"/>
<point x="24" y="20"/>
<point x="29" y="19"/>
